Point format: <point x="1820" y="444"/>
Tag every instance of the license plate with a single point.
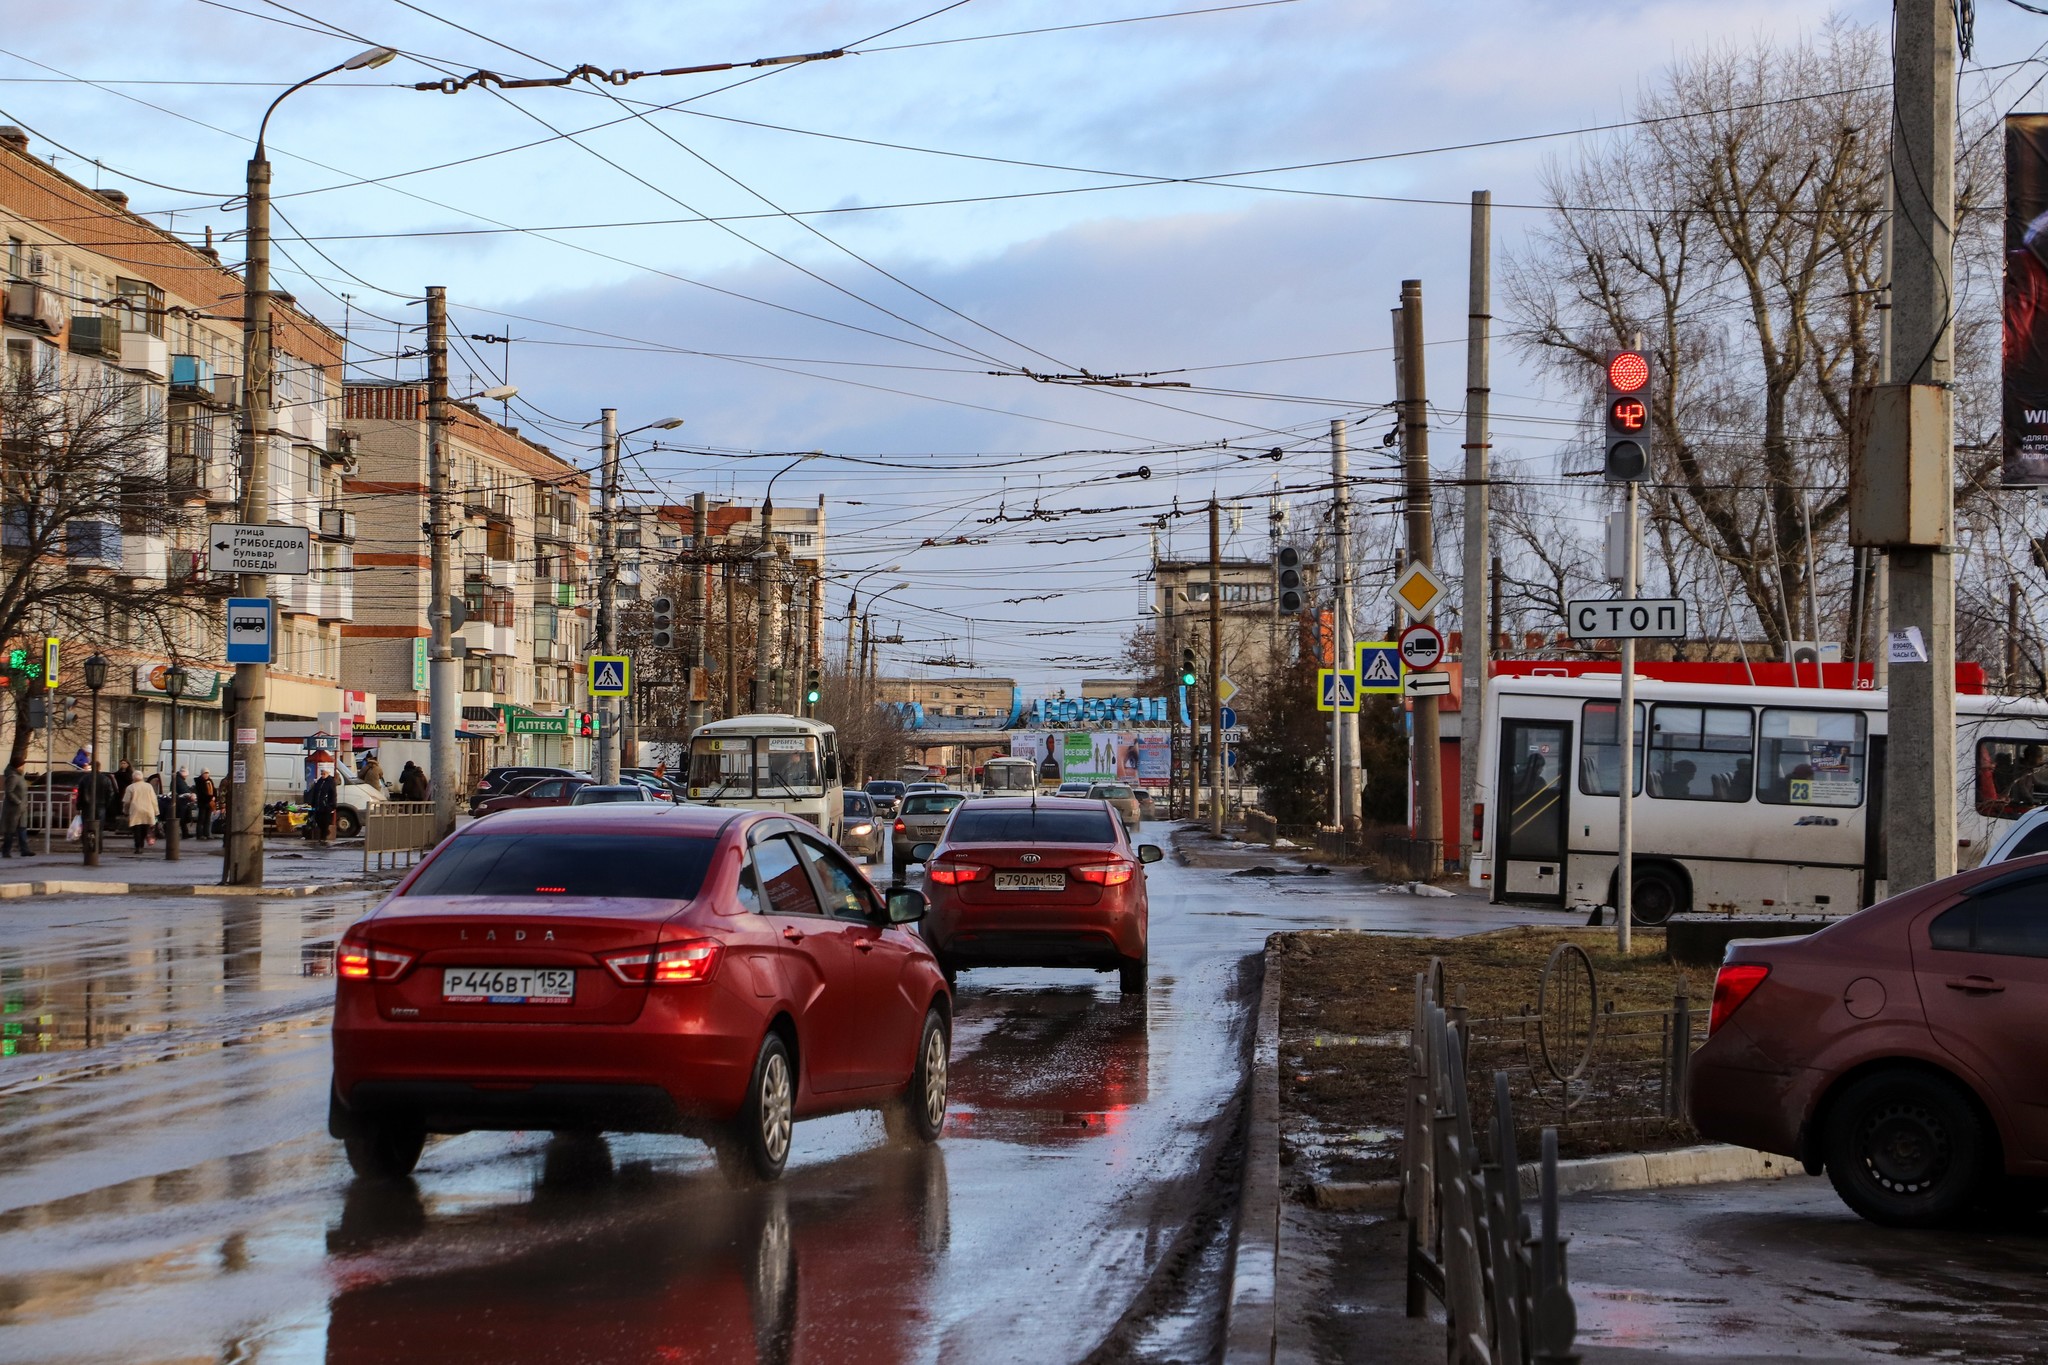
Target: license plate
<point x="508" y="986"/>
<point x="1031" y="881"/>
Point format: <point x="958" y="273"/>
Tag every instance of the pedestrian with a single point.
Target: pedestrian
<point x="110" y="788"/>
<point x="222" y="793"/>
<point x="181" y="802"/>
<point x="412" y="783"/>
<point x="14" y="811"/>
<point x="323" y="796"/>
<point x="139" y="810"/>
<point x="163" y="808"/>
<point x="202" y="804"/>
<point x="372" y="772"/>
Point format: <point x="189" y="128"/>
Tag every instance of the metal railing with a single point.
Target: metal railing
<point x="399" y="829"/>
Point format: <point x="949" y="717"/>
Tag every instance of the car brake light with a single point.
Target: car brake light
<point x="1104" y="874"/>
<point x="678" y="965"/>
<point x="953" y="874"/>
<point x="1733" y="984"/>
<point x="899" y="826"/>
<point x="362" y="962"/>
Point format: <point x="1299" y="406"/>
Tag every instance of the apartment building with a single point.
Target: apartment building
<point x="1251" y="626"/>
<point x="522" y="567"/>
<point x="100" y="300"/>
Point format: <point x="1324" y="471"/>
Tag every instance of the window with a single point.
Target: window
<point x="1600" y="750"/>
<point x="1810" y="758"/>
<point x="1701" y="753"/>
<point x="788" y="885"/>
<point x="2010" y="777"/>
<point x="978" y="824"/>
<point x="635" y="866"/>
<point x="142" y="306"/>
<point x="843" y="895"/>
<point x="2009" y="920"/>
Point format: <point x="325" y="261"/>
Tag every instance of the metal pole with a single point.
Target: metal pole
<point x="1920" y="790"/>
<point x="608" y="596"/>
<point x="1476" y="650"/>
<point x="1625" y="719"/>
<point x="1343" y="724"/>
<point x="171" y="785"/>
<point x="700" y="599"/>
<point x="1215" y="668"/>
<point x="1880" y="566"/>
<point x="92" y="819"/>
<point x="764" y="608"/>
<point x="1429" y="800"/>
<point x="444" y="674"/>
<point x="252" y="681"/>
<point x="49" y="777"/>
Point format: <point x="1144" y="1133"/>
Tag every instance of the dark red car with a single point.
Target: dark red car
<point x="1020" y="882"/>
<point x="547" y="791"/>
<point x="1899" y="1048"/>
<point x="635" y="968"/>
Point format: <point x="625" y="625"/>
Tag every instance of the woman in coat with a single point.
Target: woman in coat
<point x="139" y="809"/>
<point x="202" y="803"/>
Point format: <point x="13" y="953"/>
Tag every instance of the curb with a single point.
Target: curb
<point x="1251" y="1323"/>
<point x="1711" y="1164"/>
<point x="22" y="890"/>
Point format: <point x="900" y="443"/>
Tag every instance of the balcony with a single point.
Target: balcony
<point x="338" y="599"/>
<point x="191" y="379"/>
<point x="145" y="557"/>
<point x="501" y="573"/>
<point x="481" y="637"/>
<point x="227" y="391"/>
<point x="93" y="334"/>
<point x="34" y="305"/>
<point x="337" y="524"/>
<point x="299" y="593"/>
<point x="501" y="507"/>
<point x="142" y="353"/>
<point x="92" y="544"/>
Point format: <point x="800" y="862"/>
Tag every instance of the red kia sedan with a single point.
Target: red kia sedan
<point x="635" y="968"/>
<point x="1019" y="882"/>
<point x="1900" y="1048"/>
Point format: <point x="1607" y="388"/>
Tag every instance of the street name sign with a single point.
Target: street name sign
<point x="1418" y="590"/>
<point x="611" y="675"/>
<point x="249" y="630"/>
<point x="235" y="548"/>
<point x="1379" y="668"/>
<point x="1336" y="690"/>
<point x="1422" y="648"/>
<point x="1428" y="684"/>
<point x="1626" y="618"/>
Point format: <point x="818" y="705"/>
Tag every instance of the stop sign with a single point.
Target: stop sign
<point x="1422" y="648"/>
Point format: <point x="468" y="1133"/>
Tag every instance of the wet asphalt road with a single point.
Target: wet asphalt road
<point x="168" y="1191"/>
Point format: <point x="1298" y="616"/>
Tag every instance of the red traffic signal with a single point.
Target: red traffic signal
<point x="586" y="727"/>
<point x="1628" y="417"/>
<point x="1627" y="371"/>
<point x="1627" y="414"/>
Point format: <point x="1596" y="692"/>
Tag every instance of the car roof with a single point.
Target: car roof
<point x="616" y="817"/>
<point x="614" y="787"/>
<point x="1010" y="803"/>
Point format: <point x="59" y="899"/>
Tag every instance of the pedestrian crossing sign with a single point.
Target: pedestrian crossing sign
<point x="1379" y="667"/>
<point x="1336" y="690"/>
<point x="611" y="675"/>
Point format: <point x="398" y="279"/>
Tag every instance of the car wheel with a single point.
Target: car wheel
<point x="1131" y="976"/>
<point x="347" y="824"/>
<point x="384" y="1149"/>
<point x="921" y="1110"/>
<point x="1656" y="895"/>
<point x="1905" y="1149"/>
<point x="757" y="1147"/>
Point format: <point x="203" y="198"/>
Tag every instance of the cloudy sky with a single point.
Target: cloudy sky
<point x="835" y="255"/>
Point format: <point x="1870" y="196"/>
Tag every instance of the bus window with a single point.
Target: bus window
<point x="1600" y="750"/>
<point x="1701" y="753"/>
<point x="1810" y="758"/>
<point x="2010" y="777"/>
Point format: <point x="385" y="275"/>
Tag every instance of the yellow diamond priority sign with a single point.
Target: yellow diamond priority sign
<point x="1418" y="590"/>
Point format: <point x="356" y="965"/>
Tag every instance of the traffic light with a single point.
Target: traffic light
<point x="70" y="716"/>
<point x="664" y="622"/>
<point x="1628" y="416"/>
<point x="812" y="689"/>
<point x="1187" y="668"/>
<point x="1287" y="579"/>
<point x="586" y="725"/>
<point x="38" y="713"/>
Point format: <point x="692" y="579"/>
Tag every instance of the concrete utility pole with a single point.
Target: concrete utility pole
<point x="762" y="697"/>
<point x="252" y="681"/>
<point x="1429" y="786"/>
<point x="1215" y="668"/>
<point x="444" y="674"/>
<point x="728" y="699"/>
<point x="1920" y="768"/>
<point x="1343" y="724"/>
<point x="1476" y="653"/>
<point x="607" y="708"/>
<point x="700" y="609"/>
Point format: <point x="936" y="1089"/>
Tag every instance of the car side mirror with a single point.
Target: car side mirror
<point x="921" y="853"/>
<point x="1150" y="853"/>
<point x="906" y="905"/>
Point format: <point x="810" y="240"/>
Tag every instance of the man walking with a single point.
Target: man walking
<point x="14" y="811"/>
<point x="202" y="803"/>
<point x="323" y="797"/>
<point x="139" y="808"/>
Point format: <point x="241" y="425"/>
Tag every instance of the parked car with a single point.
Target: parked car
<point x="886" y="796"/>
<point x="1897" y="1048"/>
<point x="636" y="968"/>
<point x="920" y="820"/>
<point x="1121" y="799"/>
<point x="630" y="793"/>
<point x="861" y="832"/>
<point x="498" y="781"/>
<point x="1022" y="883"/>
<point x="1073" y="789"/>
<point x="662" y="786"/>
<point x="548" y="791"/>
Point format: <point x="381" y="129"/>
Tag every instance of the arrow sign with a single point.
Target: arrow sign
<point x="236" y="548"/>
<point x="1428" y="684"/>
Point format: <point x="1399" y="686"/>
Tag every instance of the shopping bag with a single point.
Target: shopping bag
<point x="76" y="831"/>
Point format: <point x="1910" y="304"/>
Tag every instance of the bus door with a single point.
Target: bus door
<point x="1532" y="796"/>
<point x="1873" y="825"/>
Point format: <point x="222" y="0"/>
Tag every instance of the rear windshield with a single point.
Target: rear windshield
<point x="1111" y="793"/>
<point x="1042" y="825"/>
<point x="632" y="866"/>
<point x="592" y="796"/>
<point x="932" y="803"/>
<point x="885" y="788"/>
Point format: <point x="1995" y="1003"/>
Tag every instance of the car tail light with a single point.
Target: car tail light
<point x="676" y="965"/>
<point x="1104" y="874"/>
<point x="359" y="961"/>
<point x="954" y="874"/>
<point x="899" y="826"/>
<point x="1733" y="984"/>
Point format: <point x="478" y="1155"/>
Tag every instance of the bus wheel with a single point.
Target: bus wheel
<point x="1658" y="894"/>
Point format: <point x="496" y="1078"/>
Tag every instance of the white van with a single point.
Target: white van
<point x="284" y="776"/>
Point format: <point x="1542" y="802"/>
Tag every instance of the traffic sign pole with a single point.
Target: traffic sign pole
<point x="1625" y="863"/>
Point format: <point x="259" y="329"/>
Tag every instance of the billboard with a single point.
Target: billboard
<point x="1094" y="755"/>
<point x="2025" y="406"/>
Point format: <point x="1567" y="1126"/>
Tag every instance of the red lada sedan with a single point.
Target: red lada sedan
<point x="635" y="968"/>
<point x="1019" y="882"/>
<point x="1899" y="1048"/>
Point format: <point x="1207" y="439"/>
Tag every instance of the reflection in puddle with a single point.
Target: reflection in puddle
<point x="1060" y="1066"/>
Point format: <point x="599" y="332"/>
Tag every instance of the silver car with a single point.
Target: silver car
<point x="920" y="820"/>
<point x="861" y="832"/>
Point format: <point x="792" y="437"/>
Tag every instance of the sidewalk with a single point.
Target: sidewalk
<point x="291" y="867"/>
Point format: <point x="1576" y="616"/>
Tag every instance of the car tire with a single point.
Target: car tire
<point x="1657" y="894"/>
<point x="1905" y="1149"/>
<point x="1130" y="976"/>
<point x="920" y="1112"/>
<point x="347" y="824"/>
<point x="756" y="1147"/>
<point x="384" y="1149"/>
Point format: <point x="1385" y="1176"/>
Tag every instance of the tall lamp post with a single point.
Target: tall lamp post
<point x="607" y="708"/>
<point x="764" y="591"/>
<point x="244" y="841"/>
<point x="174" y="682"/>
<point x="95" y="679"/>
<point x="853" y="610"/>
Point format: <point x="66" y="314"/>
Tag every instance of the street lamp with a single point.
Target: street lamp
<point x="853" y="609"/>
<point x="867" y="628"/>
<point x="764" y="589"/>
<point x="174" y="682"/>
<point x="607" y="764"/>
<point x="244" y="842"/>
<point x="95" y="679"/>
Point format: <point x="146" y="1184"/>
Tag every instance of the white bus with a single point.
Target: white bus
<point x="770" y="762"/>
<point x="1003" y="776"/>
<point x="1748" y="799"/>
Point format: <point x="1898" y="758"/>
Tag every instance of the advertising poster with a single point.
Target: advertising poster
<point x="1154" y="756"/>
<point x="2026" y="300"/>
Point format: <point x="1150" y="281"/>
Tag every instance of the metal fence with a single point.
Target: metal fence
<point x="400" y="829"/>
